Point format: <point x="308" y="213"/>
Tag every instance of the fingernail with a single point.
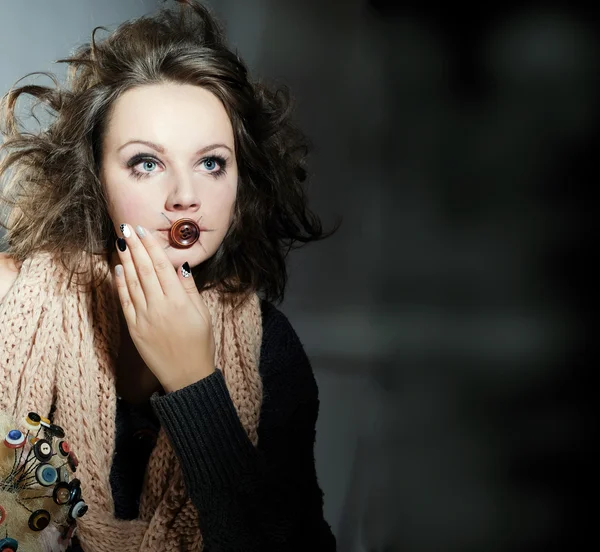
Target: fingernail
<point x="140" y="231"/>
<point x="121" y="244"/>
<point x="119" y="270"/>
<point x="125" y="230"/>
<point x="186" y="272"/>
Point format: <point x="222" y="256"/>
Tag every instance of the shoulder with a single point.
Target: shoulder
<point x="9" y="270"/>
<point x="278" y="332"/>
<point x="284" y="363"/>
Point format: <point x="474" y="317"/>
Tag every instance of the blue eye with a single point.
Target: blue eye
<point x="210" y="164"/>
<point x="214" y="165"/>
<point x="143" y="164"/>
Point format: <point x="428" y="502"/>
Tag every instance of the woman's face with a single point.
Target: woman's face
<point x="168" y="153"/>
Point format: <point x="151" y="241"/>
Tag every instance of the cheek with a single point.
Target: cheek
<point x="226" y="206"/>
<point x="220" y="202"/>
<point x="124" y="204"/>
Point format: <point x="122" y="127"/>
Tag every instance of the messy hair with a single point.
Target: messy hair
<point x="53" y="195"/>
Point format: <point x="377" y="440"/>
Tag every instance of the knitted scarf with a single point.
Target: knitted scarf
<point x="58" y="347"/>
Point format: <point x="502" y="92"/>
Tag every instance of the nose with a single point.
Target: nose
<point x="183" y="196"/>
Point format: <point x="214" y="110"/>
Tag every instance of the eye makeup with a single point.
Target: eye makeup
<point x="215" y="165"/>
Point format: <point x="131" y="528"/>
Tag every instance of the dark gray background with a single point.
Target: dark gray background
<point x="446" y="320"/>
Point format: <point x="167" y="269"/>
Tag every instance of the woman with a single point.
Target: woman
<point x="189" y="401"/>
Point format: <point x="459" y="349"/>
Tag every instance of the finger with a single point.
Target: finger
<point x="146" y="275"/>
<point x="163" y="267"/>
<point x="189" y="285"/>
<point x="124" y="298"/>
<point x="134" y="286"/>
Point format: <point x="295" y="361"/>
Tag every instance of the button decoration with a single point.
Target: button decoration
<point x="78" y="510"/>
<point x="39" y="520"/>
<point x="14" y="439"/>
<point x="46" y="475"/>
<point x="56" y="431"/>
<point x="8" y="545"/>
<point x="64" y="448"/>
<point x="184" y="233"/>
<point x="36" y="478"/>
<point x="42" y="450"/>
<point x="73" y="460"/>
<point x="61" y="494"/>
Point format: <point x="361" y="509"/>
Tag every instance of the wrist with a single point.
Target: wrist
<point x="175" y="382"/>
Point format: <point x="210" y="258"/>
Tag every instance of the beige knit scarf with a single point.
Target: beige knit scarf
<point x="58" y="346"/>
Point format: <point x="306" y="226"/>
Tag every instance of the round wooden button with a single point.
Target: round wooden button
<point x="184" y="233"/>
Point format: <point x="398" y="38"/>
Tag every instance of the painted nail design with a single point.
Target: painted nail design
<point x="140" y="231"/>
<point x="125" y="230"/>
<point x="121" y="244"/>
<point x="186" y="272"/>
<point x="119" y="270"/>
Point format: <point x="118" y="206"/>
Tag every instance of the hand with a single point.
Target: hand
<point x="168" y="322"/>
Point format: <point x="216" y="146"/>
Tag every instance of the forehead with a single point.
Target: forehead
<point x="176" y="115"/>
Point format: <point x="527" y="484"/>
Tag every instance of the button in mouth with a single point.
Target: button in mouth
<point x="184" y="233"/>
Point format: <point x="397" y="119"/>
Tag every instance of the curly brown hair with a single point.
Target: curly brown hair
<point x="51" y="177"/>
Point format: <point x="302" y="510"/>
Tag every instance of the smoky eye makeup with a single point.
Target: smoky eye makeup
<point x="143" y="164"/>
<point x="215" y="165"/>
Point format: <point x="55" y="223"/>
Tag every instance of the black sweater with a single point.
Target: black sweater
<point x="265" y="498"/>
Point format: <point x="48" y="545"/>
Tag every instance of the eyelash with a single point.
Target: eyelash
<point x="141" y="157"/>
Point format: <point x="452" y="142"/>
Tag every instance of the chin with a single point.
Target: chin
<point x="191" y="256"/>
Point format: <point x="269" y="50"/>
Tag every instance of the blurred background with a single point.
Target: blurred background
<point x="447" y="319"/>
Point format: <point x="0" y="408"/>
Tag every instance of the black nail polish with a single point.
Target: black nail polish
<point x="121" y="244"/>
<point x="186" y="272"/>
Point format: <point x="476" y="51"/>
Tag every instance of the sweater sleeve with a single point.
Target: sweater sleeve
<point x="265" y="498"/>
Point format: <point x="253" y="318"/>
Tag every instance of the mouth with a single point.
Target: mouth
<point x="201" y="228"/>
<point x="184" y="232"/>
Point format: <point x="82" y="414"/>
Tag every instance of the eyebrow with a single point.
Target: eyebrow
<point x="161" y="149"/>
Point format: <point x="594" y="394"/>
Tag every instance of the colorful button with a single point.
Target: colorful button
<point x="57" y="431"/>
<point x="64" y="474"/>
<point x="32" y="423"/>
<point x="64" y="448"/>
<point x="33" y="418"/>
<point x="39" y="520"/>
<point x="2" y="515"/>
<point x="46" y="475"/>
<point x="75" y="490"/>
<point x="61" y="494"/>
<point x="73" y="460"/>
<point x="42" y="450"/>
<point x="14" y="439"/>
<point x="8" y="544"/>
<point x="78" y="509"/>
